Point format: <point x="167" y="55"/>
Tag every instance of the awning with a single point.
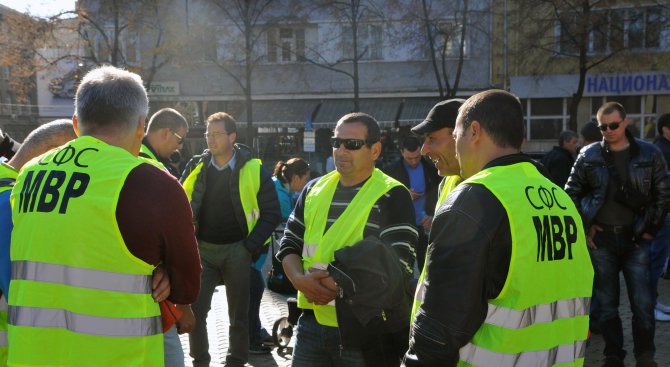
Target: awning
<point x="384" y="111"/>
<point x="415" y="110"/>
<point x="286" y="113"/>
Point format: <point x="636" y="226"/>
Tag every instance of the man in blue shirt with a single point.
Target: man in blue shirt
<point x="419" y="175"/>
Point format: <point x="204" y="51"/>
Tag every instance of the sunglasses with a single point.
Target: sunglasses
<point x="181" y="138"/>
<point x="612" y="125"/>
<point x="350" y="144"/>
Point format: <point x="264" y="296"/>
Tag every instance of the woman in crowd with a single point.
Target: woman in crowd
<point x="289" y="177"/>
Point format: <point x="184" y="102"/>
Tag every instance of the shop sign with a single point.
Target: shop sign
<point x="164" y="89"/>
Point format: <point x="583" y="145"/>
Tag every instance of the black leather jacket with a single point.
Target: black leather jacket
<point x="647" y="171"/>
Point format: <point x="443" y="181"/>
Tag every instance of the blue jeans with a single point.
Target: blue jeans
<point x="256" y="294"/>
<point x="660" y="249"/>
<point x="618" y="253"/>
<point x="174" y="353"/>
<point x="317" y="345"/>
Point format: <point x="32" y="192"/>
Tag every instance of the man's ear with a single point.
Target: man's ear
<point x="139" y="131"/>
<point x="75" y="125"/>
<point x="376" y="150"/>
<point x="475" y="130"/>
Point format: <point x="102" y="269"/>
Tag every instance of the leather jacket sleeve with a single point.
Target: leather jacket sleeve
<point x="654" y="215"/>
<point x="470" y="249"/>
<point x="577" y="185"/>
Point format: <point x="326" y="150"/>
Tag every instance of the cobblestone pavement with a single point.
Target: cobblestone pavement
<point x="274" y="306"/>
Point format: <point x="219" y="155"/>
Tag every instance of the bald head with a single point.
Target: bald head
<point x="43" y="139"/>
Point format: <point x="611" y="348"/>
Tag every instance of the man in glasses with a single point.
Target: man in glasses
<point x="235" y="211"/>
<point x="165" y="135"/>
<point x="621" y="189"/>
<point x="333" y="212"/>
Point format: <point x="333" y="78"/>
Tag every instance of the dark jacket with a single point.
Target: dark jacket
<point x="647" y="173"/>
<point x="397" y="170"/>
<point x="664" y="145"/>
<point x="268" y="205"/>
<point x="374" y="301"/>
<point x="558" y="162"/>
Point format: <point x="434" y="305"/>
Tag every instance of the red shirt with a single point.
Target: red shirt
<point x="155" y="221"/>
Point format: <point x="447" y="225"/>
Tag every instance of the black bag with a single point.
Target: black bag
<point x="277" y="280"/>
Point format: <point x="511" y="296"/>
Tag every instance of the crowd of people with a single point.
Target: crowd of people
<point x="465" y="252"/>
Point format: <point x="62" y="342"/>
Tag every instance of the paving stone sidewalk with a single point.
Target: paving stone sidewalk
<point x="274" y="306"/>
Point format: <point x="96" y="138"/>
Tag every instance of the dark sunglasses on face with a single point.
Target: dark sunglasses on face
<point x="349" y="144"/>
<point x="612" y="125"/>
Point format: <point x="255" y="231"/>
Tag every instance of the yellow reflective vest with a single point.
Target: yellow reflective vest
<point x="249" y="184"/>
<point x="448" y="184"/>
<point x="319" y="247"/>
<point x="540" y="318"/>
<point x="78" y="296"/>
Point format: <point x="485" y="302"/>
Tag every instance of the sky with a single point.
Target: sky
<point x="41" y="8"/>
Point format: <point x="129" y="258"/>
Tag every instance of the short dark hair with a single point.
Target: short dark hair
<point x="565" y="136"/>
<point x="499" y="113"/>
<point x="284" y="171"/>
<point x="373" y="134"/>
<point x="410" y="144"/>
<point x="663" y="121"/>
<point x="610" y="107"/>
<point x="591" y="132"/>
<point x="228" y="121"/>
<point x="167" y="118"/>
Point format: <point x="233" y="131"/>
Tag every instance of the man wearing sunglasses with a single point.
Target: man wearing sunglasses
<point x="335" y="211"/>
<point x="165" y="135"/>
<point x="621" y="189"/>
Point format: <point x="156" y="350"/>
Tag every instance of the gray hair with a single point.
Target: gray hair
<point x="565" y="136"/>
<point x="110" y="99"/>
<point x="44" y="138"/>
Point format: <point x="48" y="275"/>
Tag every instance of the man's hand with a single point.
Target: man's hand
<point x="592" y="232"/>
<point x="426" y="222"/>
<point x="186" y="322"/>
<point x="160" y="285"/>
<point x="311" y="285"/>
<point x="415" y="195"/>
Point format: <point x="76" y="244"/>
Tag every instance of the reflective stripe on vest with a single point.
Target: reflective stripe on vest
<point x="540" y="317"/>
<point x="449" y="183"/>
<point x="3" y="324"/>
<point x="516" y="319"/>
<point x="319" y="248"/>
<point x="84" y="324"/>
<point x="81" y="277"/>
<point x="564" y="353"/>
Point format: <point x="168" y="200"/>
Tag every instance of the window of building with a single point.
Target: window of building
<point x="545" y="117"/>
<point x="286" y="44"/>
<point x="640" y="111"/>
<point x="612" y="29"/>
<point x="128" y="48"/>
<point x="369" y="42"/>
<point x="447" y="36"/>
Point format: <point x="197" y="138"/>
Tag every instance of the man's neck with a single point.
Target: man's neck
<point x="349" y="181"/>
<point x="223" y="159"/>
<point x="620" y="145"/>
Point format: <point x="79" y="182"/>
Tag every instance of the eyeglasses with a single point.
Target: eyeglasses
<point x="214" y="134"/>
<point x="179" y="137"/>
<point x="350" y="144"/>
<point x="612" y="125"/>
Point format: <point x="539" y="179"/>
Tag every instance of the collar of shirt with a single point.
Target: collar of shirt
<point x="231" y="163"/>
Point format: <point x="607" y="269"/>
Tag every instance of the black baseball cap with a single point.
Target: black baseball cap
<point x="440" y="116"/>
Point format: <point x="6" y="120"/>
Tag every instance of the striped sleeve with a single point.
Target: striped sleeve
<point x="396" y="225"/>
<point x="294" y="234"/>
